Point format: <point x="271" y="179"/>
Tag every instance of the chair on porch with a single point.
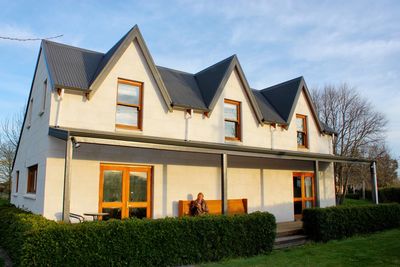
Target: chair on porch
<point x="78" y="217"/>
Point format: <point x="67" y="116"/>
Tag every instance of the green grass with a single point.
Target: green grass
<point x="380" y="249"/>
<point x="3" y="202"/>
<point x="1" y="262"/>
<point x="356" y="202"/>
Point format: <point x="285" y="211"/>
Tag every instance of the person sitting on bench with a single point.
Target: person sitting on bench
<point x="199" y="206"/>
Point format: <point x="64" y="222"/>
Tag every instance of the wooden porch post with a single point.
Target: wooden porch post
<point x="224" y="183"/>
<point x="316" y="181"/>
<point x="374" y="183"/>
<point x="67" y="180"/>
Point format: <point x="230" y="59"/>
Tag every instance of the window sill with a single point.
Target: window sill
<point x="128" y="130"/>
<point x="30" y="196"/>
<point x="233" y="141"/>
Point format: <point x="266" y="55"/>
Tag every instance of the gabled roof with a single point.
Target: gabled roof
<point x="284" y="97"/>
<point x="81" y="69"/>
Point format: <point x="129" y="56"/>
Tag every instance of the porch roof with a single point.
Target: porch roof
<point x="151" y="142"/>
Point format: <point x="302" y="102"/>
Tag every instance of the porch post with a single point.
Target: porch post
<point x="374" y="183"/>
<point x="224" y="183"/>
<point x="316" y="181"/>
<point x="67" y="180"/>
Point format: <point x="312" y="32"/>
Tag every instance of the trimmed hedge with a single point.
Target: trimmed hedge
<point x="323" y="224"/>
<point x="35" y="241"/>
<point x="390" y="194"/>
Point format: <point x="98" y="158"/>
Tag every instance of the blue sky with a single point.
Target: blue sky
<point x="328" y="42"/>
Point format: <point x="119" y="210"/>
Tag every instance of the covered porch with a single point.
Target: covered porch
<point x="265" y="177"/>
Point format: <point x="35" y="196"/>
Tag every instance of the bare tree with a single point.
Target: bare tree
<point x="9" y="137"/>
<point x="357" y="123"/>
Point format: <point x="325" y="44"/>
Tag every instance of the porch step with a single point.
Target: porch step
<point x="289" y="241"/>
<point x="291" y="232"/>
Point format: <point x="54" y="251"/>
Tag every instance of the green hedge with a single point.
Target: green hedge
<point x="133" y="242"/>
<point x="323" y="224"/>
<point x="390" y="194"/>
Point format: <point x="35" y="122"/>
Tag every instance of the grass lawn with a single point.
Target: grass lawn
<point x="380" y="249"/>
<point x="356" y="202"/>
<point x="2" y="202"/>
<point x="1" y="262"/>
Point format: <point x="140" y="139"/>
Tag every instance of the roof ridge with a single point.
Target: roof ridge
<point x="71" y="46"/>
<point x="213" y="65"/>
<point x="175" y="70"/>
<point x="280" y="84"/>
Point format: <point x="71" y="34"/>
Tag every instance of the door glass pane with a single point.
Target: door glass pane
<point x="230" y="111"/>
<point x="128" y="94"/>
<point x="127" y="115"/>
<point x="297" y="186"/>
<point x="300" y="139"/>
<point x="298" y="207"/>
<point x="308" y="186"/>
<point x="309" y="204"/>
<point x="114" y="213"/>
<point x="112" y="187"/>
<point x="139" y="213"/>
<point x="230" y="129"/>
<point x="138" y="186"/>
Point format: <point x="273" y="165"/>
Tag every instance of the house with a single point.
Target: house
<point x="116" y="133"/>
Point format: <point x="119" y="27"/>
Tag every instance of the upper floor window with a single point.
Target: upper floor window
<point x="232" y="120"/>
<point x="129" y="104"/>
<point x="32" y="179"/>
<point x="30" y="107"/>
<point x="301" y="124"/>
<point x="44" y="98"/>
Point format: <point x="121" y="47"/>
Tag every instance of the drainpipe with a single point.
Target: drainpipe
<point x="188" y="116"/>
<point x="374" y="183"/>
<point x="60" y="93"/>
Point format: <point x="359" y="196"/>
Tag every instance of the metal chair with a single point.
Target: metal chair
<point x="78" y="217"/>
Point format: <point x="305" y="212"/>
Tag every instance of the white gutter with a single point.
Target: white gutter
<point x="188" y="116"/>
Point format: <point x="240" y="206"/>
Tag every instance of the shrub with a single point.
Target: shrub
<point x="390" y="194"/>
<point x="353" y="196"/>
<point x="133" y="242"/>
<point x="323" y="224"/>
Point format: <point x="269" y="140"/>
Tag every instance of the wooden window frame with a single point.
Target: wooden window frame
<point x="139" y="107"/>
<point x="125" y="204"/>
<point x="237" y="121"/>
<point x="16" y="181"/>
<point x="303" y="198"/>
<point x="305" y="132"/>
<point x="31" y="187"/>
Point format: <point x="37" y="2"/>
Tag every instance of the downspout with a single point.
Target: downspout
<point x="60" y="93"/>
<point x="188" y="116"/>
<point x="272" y="129"/>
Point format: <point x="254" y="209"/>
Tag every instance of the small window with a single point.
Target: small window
<point x="32" y="179"/>
<point x="16" y="181"/>
<point x="30" y="113"/>
<point x="44" y="98"/>
<point x="232" y="120"/>
<point x="301" y="124"/>
<point x="129" y="104"/>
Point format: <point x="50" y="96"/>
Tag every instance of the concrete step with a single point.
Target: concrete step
<point x="289" y="241"/>
<point x="282" y="233"/>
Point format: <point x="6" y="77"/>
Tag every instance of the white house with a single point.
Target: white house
<point x="115" y="133"/>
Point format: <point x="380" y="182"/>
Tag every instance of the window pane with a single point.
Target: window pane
<point x="114" y="213"/>
<point x="298" y="207"/>
<point x="300" y="139"/>
<point x="230" y="129"/>
<point x="128" y="94"/>
<point x="308" y="186"/>
<point x="309" y="204"/>
<point x="230" y="111"/>
<point x="300" y="124"/>
<point x="139" y="213"/>
<point x="127" y="115"/>
<point x="112" y="187"/>
<point x="297" y="186"/>
<point x="138" y="186"/>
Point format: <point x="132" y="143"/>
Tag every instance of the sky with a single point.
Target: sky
<point x="327" y="42"/>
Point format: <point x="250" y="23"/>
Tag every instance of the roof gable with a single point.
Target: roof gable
<point x="284" y="98"/>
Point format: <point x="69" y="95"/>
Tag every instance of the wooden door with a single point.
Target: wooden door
<point x="125" y="191"/>
<point x="303" y="192"/>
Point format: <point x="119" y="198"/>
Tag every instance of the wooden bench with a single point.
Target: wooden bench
<point x="235" y="206"/>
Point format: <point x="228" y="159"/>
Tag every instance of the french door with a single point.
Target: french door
<point x="303" y="192"/>
<point x="125" y="191"/>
